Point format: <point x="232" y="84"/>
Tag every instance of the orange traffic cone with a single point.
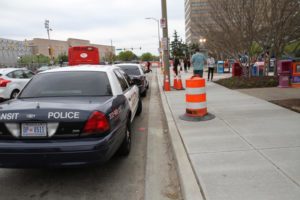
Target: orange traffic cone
<point x="179" y="83"/>
<point x="175" y="85"/>
<point x="167" y="84"/>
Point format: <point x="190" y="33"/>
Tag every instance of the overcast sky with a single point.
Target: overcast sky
<point x="122" y="21"/>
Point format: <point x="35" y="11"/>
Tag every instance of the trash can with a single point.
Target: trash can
<point x="237" y="69"/>
<point x="284" y="68"/>
<point x="220" y="67"/>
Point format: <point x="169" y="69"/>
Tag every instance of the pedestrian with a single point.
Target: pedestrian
<point x="175" y="65"/>
<point x="188" y="64"/>
<point x="211" y="67"/>
<point x="148" y="65"/>
<point x="185" y="63"/>
<point x="198" y="60"/>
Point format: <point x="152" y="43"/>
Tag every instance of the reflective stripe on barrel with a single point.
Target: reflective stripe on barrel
<point x="195" y="97"/>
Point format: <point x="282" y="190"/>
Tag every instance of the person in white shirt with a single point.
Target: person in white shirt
<point x="211" y="67"/>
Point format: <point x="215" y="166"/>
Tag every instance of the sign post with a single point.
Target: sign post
<point x="165" y="44"/>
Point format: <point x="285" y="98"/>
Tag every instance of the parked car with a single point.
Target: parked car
<point x="12" y="81"/>
<point x="70" y="116"/>
<point x="136" y="73"/>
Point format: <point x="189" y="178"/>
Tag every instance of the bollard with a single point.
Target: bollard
<point x="196" y="108"/>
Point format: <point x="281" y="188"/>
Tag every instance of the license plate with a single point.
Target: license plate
<point x="34" y="130"/>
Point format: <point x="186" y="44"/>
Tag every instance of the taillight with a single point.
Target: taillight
<point x="97" y="123"/>
<point x="4" y="82"/>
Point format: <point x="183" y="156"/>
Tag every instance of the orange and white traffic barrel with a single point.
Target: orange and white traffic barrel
<point x="196" y="107"/>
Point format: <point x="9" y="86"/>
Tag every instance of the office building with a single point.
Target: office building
<point x="196" y="14"/>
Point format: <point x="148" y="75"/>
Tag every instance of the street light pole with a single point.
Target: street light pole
<point x="158" y="35"/>
<point x="166" y="42"/>
<point x="47" y="27"/>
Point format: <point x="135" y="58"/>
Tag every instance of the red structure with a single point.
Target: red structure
<point x="237" y="69"/>
<point x="83" y="55"/>
<point x="284" y="68"/>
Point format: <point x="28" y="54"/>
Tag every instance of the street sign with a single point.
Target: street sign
<point x="163" y="23"/>
<point x="164" y="43"/>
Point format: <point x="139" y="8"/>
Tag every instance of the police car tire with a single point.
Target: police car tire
<point x="139" y="108"/>
<point x="125" y="147"/>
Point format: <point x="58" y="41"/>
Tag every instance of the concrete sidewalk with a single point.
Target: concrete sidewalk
<point x="251" y="150"/>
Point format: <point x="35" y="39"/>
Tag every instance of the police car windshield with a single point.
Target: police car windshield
<point x="131" y="69"/>
<point x="68" y="84"/>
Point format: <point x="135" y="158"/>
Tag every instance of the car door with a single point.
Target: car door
<point x="17" y="79"/>
<point x="129" y="92"/>
<point x="21" y="77"/>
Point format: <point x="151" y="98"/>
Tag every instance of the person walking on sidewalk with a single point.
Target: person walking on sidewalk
<point x="198" y="60"/>
<point x="175" y="65"/>
<point x="148" y="66"/>
<point x="185" y="64"/>
<point x="211" y="67"/>
<point x="188" y="63"/>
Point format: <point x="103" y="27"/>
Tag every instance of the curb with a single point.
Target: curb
<point x="190" y="189"/>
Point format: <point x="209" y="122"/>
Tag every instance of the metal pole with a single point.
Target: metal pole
<point x="158" y="35"/>
<point x="111" y="53"/>
<point x="166" y="48"/>
<point x="159" y="45"/>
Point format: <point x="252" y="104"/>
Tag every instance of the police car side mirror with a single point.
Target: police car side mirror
<point x="134" y="81"/>
<point x="131" y="82"/>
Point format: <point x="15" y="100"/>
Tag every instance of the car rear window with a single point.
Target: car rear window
<point x="131" y="69"/>
<point x="66" y="84"/>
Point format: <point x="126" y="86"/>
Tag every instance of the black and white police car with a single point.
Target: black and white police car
<point x="69" y="116"/>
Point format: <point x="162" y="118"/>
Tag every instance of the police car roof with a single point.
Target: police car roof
<point x="100" y="68"/>
<point x="134" y="64"/>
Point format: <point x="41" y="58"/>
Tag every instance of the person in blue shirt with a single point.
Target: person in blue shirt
<point x="197" y="61"/>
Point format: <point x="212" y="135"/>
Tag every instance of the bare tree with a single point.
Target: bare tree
<point x="236" y="25"/>
<point x="281" y="27"/>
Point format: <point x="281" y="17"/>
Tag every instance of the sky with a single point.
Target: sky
<point x="100" y="21"/>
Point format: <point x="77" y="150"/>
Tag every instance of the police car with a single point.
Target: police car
<point x="69" y="116"/>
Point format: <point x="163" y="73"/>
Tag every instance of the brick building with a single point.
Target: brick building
<point x="41" y="46"/>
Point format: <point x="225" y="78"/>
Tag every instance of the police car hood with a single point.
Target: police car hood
<point x="53" y="109"/>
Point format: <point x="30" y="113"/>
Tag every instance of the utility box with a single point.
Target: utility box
<point x="284" y="68"/>
<point x="81" y="55"/>
<point x="295" y="79"/>
<point x="220" y="67"/>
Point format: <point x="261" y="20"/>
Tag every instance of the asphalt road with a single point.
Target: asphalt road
<point x="120" y="178"/>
